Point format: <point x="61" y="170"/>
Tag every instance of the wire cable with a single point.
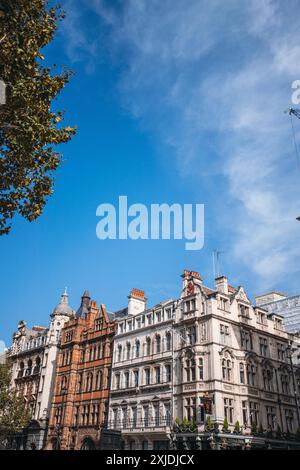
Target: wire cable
<point x="295" y="143"/>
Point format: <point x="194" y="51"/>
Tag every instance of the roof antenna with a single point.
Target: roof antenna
<point x="216" y="262"/>
<point x="295" y="112"/>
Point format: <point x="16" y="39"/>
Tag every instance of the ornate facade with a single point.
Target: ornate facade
<point x="33" y="354"/>
<point x="238" y="355"/>
<point x="141" y="387"/>
<point x="80" y="400"/>
<point x="220" y="350"/>
<point x="207" y="370"/>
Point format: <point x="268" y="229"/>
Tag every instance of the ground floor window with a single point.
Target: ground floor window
<point x="88" y="444"/>
<point x="228" y="409"/>
<point x="254" y="411"/>
<point x="131" y="445"/>
<point x="245" y="413"/>
<point x="160" y="445"/>
<point x="190" y="408"/>
<point x="289" y="418"/>
<point x="271" y="416"/>
<point x="145" y="445"/>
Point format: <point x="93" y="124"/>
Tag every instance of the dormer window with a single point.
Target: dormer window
<point x="158" y="316"/>
<point x="244" y="311"/>
<point x="69" y="336"/>
<point x="168" y="313"/>
<point x="278" y="325"/>
<point x="190" y="305"/>
<point x="223" y="304"/>
<point x="98" y="324"/>
<point x="262" y="318"/>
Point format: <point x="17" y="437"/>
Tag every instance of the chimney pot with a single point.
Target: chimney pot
<point x="222" y="284"/>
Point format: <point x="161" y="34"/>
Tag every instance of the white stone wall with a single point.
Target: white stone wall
<point x="218" y="329"/>
<point x="152" y="330"/>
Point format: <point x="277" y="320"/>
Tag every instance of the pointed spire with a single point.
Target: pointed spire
<point x="85" y="303"/>
<point x="64" y="297"/>
<point x="85" y="299"/>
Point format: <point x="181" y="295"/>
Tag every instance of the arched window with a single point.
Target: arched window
<point x="268" y="380"/>
<point x="242" y="373"/>
<point x="158" y="343"/>
<point x="168" y="341"/>
<point x="63" y="387"/>
<point x="21" y="369"/>
<point x="117" y="381"/>
<point x="89" y="382"/>
<point x="99" y="380"/>
<point x="29" y="367"/>
<point x="37" y="365"/>
<point x="119" y="353"/>
<point x="137" y="348"/>
<point x="103" y="347"/>
<point x="128" y="349"/>
<point x="88" y="444"/>
<point x="285" y="383"/>
<point x="251" y="374"/>
<point x="201" y="369"/>
<point x="90" y="354"/>
<point x="148" y="347"/>
<point x="190" y="370"/>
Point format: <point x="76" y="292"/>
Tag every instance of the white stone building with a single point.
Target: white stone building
<point x="141" y="386"/>
<point x="236" y="354"/>
<point x="211" y="355"/>
<point x="33" y="354"/>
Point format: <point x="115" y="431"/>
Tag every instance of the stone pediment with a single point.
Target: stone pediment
<point x="241" y="295"/>
<point x="226" y="352"/>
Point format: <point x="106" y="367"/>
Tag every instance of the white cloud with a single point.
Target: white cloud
<point x="212" y="75"/>
<point x="2" y="347"/>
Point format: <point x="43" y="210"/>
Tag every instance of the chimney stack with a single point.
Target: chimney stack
<point x="136" y="302"/>
<point x="190" y="280"/>
<point x="222" y="284"/>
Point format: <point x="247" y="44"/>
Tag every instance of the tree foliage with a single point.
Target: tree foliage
<point x="29" y="127"/>
<point x="13" y="414"/>
<point x="225" y="425"/>
<point x="237" y="428"/>
<point x="209" y="424"/>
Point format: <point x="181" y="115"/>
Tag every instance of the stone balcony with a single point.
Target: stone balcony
<point x="161" y="424"/>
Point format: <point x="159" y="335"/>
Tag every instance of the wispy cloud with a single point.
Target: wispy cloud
<point x="212" y="79"/>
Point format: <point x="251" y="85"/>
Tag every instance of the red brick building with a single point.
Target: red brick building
<point x="80" y="400"/>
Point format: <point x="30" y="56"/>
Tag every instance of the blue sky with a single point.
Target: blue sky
<point x="174" y="101"/>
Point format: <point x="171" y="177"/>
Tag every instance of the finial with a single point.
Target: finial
<point x="64" y="297"/>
